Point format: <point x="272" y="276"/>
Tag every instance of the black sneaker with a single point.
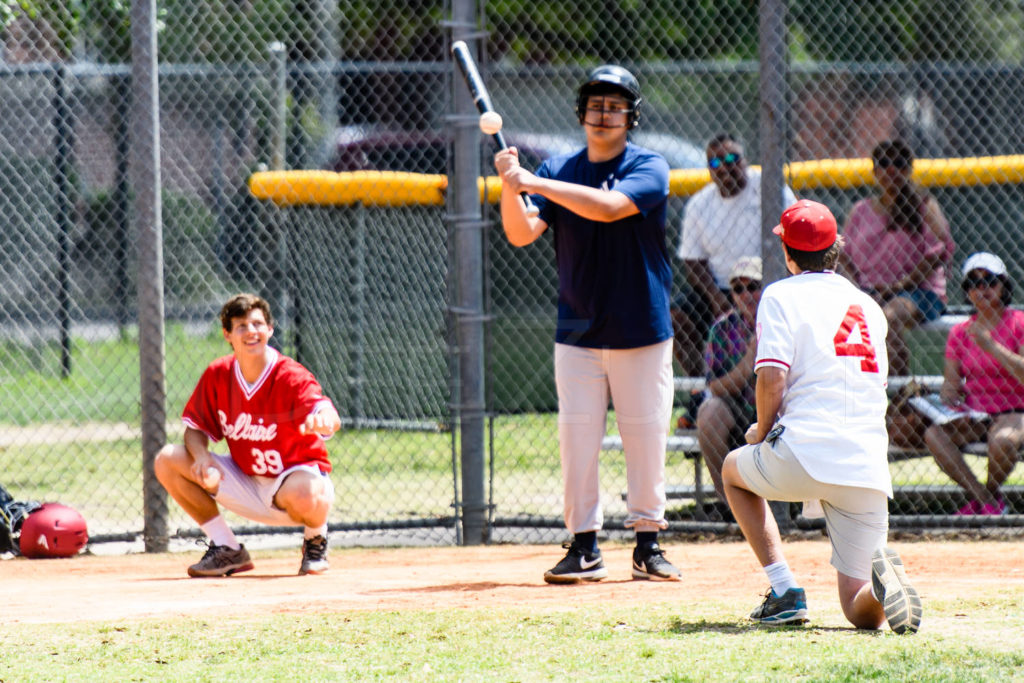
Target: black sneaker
<point x="577" y="565"/>
<point x="220" y="560"/>
<point x="776" y="610"/>
<point x="314" y="556"/>
<point x="899" y="599"/>
<point x="649" y="563"/>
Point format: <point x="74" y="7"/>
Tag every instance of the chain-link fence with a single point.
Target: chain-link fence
<point x="370" y="297"/>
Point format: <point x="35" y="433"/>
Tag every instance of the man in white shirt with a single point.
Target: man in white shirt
<point x="820" y="434"/>
<point x="721" y="225"/>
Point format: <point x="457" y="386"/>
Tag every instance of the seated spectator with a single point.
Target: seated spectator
<point x="721" y="224"/>
<point x="984" y="370"/>
<point x="897" y="248"/>
<point x="729" y="407"/>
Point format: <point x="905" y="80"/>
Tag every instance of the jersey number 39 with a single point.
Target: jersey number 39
<point x="266" y="462"/>
<point x="854" y="320"/>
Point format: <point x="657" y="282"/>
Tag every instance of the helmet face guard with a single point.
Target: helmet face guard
<point x="610" y="79"/>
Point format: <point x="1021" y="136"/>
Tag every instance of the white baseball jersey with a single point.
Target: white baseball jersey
<point x="721" y="230"/>
<point x="830" y="338"/>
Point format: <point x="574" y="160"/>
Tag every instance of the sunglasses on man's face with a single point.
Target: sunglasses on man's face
<point x="986" y="280"/>
<point x="752" y="286"/>
<point x="727" y="159"/>
<point x="886" y="162"/>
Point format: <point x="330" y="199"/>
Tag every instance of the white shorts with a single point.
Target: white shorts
<point x="253" y="497"/>
<point x="856" y="518"/>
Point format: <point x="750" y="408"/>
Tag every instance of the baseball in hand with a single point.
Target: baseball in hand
<point x="211" y="477"/>
<point x="490" y="122"/>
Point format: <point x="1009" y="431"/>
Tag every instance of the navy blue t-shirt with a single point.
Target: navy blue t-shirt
<point x="613" y="278"/>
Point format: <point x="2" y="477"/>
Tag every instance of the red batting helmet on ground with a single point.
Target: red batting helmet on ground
<point x="54" y="530"/>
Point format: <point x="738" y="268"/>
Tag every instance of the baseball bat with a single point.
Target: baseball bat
<point x="482" y="100"/>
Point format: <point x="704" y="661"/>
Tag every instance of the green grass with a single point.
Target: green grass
<point x="104" y="382"/>
<point x="657" y="642"/>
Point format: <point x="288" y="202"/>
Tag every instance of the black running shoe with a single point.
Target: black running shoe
<point x="577" y="565"/>
<point x="314" y="555"/>
<point x="781" y="610"/>
<point x="899" y="599"/>
<point x="220" y="560"/>
<point x="649" y="563"/>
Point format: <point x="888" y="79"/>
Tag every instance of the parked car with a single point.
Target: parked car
<point x="355" y="148"/>
<point x="678" y="152"/>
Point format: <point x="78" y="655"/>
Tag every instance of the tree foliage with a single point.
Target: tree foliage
<point x="540" y="32"/>
<point x="908" y="31"/>
<point x="101" y="29"/>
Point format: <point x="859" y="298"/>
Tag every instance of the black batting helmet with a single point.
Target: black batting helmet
<point x="610" y="78"/>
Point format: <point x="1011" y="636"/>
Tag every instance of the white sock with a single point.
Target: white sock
<point x="220" y="533"/>
<point x="314" y="531"/>
<point x="780" y="576"/>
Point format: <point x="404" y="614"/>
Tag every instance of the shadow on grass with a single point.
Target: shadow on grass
<point x="681" y="627"/>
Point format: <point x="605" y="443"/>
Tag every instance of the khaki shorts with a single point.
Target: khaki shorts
<point x="856" y="518"/>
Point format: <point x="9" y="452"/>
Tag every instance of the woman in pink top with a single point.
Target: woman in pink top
<point x="897" y="248"/>
<point x="984" y="370"/>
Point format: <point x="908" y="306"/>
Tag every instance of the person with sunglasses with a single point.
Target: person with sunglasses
<point x="729" y="407"/>
<point x="721" y="224"/>
<point x="984" y="370"/>
<point x="897" y="247"/>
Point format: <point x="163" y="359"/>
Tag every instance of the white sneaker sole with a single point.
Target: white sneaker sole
<point x="900" y="601"/>
<point x="794" y="617"/>
<point x="641" y="575"/>
<point x="314" y="569"/>
<point x="577" y="577"/>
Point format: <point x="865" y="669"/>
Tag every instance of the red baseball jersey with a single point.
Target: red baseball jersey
<point x="261" y="420"/>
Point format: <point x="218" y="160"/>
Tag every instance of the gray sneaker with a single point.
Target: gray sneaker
<point x="221" y="560"/>
<point x="899" y="599"/>
<point x="649" y="563"/>
<point x="780" y="610"/>
<point x="314" y="556"/>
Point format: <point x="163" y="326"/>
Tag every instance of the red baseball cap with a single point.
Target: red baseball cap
<point x="807" y="226"/>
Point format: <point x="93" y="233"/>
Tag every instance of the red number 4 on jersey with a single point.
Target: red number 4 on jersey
<point x="854" y="319"/>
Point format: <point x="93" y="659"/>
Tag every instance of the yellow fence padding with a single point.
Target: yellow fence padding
<point x="392" y="188"/>
<point x="963" y="172"/>
<point x="326" y="188"/>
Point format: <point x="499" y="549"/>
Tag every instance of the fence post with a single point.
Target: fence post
<point x="278" y="134"/>
<point x="64" y="144"/>
<point x="772" y="131"/>
<point x="772" y="49"/>
<point x="145" y="171"/>
<point x="467" y="216"/>
<point x="327" y="50"/>
<point x="120" y="198"/>
<point x="357" y="372"/>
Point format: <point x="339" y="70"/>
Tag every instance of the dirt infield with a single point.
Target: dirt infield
<point x="113" y="588"/>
